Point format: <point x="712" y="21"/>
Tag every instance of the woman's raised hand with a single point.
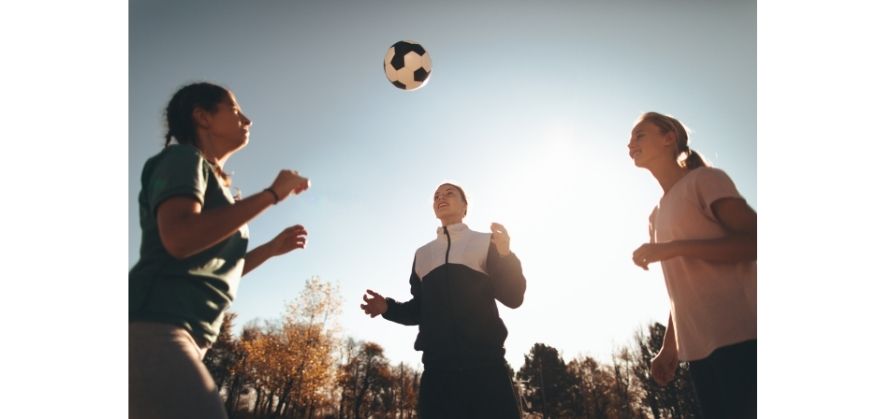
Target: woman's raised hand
<point x="292" y="238"/>
<point x="501" y="239"/>
<point x="289" y="182"/>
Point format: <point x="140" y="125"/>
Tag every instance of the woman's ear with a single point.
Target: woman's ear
<point x="201" y="117"/>
<point x="670" y="138"/>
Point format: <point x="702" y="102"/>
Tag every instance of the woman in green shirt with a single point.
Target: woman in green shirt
<point x="193" y="253"/>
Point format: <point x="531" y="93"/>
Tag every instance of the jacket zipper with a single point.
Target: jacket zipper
<point x="451" y="304"/>
<point x="448" y="243"/>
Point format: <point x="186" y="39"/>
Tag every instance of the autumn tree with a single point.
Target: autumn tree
<point x="548" y="385"/>
<point x="406" y="381"/>
<point x="367" y="383"/>
<point x="309" y="333"/>
<point x="221" y="356"/>
<point x="290" y="362"/>
<point x="241" y="380"/>
<point x="225" y="362"/>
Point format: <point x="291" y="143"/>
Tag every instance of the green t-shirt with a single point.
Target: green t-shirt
<point x="194" y="292"/>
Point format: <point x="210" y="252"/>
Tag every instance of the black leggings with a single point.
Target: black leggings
<point x="479" y="392"/>
<point x="725" y="382"/>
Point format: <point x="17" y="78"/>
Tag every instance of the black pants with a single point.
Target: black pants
<point x="725" y="382"/>
<point x="483" y="391"/>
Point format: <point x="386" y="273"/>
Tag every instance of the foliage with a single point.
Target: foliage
<point x="297" y="367"/>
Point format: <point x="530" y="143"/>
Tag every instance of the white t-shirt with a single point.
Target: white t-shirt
<point x="712" y="304"/>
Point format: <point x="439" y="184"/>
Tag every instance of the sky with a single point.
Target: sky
<point x="70" y="97"/>
<point x="529" y="108"/>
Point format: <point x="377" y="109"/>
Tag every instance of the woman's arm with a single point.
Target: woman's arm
<point x="408" y="312"/>
<point x="185" y="229"/>
<point x="665" y="363"/>
<point x="739" y="245"/>
<point x="292" y="238"/>
<point x="504" y="269"/>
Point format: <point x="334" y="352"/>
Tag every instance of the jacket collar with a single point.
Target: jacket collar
<point x="453" y="229"/>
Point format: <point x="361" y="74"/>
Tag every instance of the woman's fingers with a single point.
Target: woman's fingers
<point x="374" y="305"/>
<point x="498" y="229"/>
<point x="296" y="229"/>
<point x="641" y="257"/>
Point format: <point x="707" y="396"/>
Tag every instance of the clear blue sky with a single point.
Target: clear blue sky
<point x="529" y="108"/>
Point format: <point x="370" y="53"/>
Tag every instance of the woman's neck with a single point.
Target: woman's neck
<point x="451" y="221"/>
<point x="212" y="154"/>
<point x="667" y="175"/>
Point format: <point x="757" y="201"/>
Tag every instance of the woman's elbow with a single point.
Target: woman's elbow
<point x="750" y="246"/>
<point x="514" y="300"/>
<point x="174" y="247"/>
<point x="177" y="252"/>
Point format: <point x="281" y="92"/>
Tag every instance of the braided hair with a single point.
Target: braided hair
<point x="180" y="123"/>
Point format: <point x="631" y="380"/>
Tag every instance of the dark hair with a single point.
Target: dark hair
<point x="460" y="191"/>
<point x="179" y="111"/>
<point x="685" y="156"/>
<point x="180" y="115"/>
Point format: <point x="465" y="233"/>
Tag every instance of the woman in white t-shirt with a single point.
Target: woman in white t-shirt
<point x="704" y="234"/>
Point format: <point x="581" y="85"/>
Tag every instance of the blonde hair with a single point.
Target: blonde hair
<point x="685" y="156"/>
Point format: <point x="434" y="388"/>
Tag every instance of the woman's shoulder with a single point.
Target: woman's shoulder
<point x="709" y="173"/>
<point x="482" y="238"/>
<point x="710" y="183"/>
<point x="180" y="151"/>
<point x="175" y="157"/>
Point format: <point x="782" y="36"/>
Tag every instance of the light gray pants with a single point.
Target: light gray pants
<point x="167" y="378"/>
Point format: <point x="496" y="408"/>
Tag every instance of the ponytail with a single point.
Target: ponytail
<point x="691" y="159"/>
<point x="685" y="156"/>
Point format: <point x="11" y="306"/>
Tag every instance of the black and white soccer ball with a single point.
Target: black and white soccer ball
<point x="407" y="65"/>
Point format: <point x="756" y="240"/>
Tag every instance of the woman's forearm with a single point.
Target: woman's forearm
<point x="256" y="257"/>
<point x="669" y="343"/>
<point x="731" y="249"/>
<point x="186" y="233"/>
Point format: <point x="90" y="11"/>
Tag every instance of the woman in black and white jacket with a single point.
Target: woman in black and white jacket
<point x="455" y="281"/>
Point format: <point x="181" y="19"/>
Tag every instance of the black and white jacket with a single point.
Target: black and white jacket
<point x="455" y="282"/>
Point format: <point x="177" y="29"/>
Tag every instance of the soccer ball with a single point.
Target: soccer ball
<point x="407" y="65"/>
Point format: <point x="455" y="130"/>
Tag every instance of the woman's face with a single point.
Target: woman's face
<point x="447" y="203"/>
<point x="647" y="144"/>
<point x="229" y="127"/>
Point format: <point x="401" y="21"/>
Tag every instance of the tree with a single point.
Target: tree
<point x="289" y="362"/>
<point x="594" y="389"/>
<point x="367" y="383"/>
<point x="627" y="393"/>
<point x="225" y="362"/>
<point x="549" y="386"/>
<point x="242" y="380"/>
<point x="405" y="391"/>
<point x="221" y="356"/>
<point x="308" y="333"/>
<point x="347" y="377"/>
<point x="675" y="400"/>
